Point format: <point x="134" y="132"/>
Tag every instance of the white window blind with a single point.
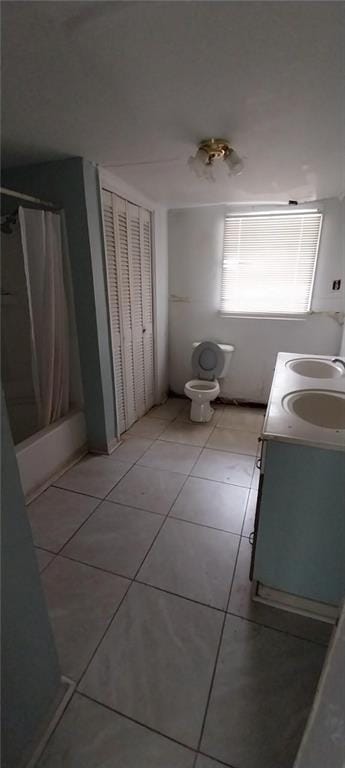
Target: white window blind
<point x="269" y="263"/>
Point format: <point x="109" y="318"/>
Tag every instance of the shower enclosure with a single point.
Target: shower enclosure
<point x="36" y="327"/>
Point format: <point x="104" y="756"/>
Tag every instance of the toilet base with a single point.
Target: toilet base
<point x="201" y="412"/>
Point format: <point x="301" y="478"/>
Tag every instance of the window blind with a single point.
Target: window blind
<point x="269" y="263"/>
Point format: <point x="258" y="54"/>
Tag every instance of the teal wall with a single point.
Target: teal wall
<point x="73" y="184"/>
<point x="30" y="670"/>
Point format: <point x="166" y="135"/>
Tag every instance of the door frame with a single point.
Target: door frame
<point x="118" y="187"/>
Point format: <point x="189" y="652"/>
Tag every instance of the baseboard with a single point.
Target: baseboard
<point x="240" y="403"/>
<point x="57" y="709"/>
<point x="294" y="603"/>
<point x="226" y="401"/>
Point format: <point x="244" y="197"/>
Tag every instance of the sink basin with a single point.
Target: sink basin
<point x="315" y="368"/>
<point x="319" y="407"/>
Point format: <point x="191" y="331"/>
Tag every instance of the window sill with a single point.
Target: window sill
<point x="268" y="316"/>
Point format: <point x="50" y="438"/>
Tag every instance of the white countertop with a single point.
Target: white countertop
<point x="284" y="426"/>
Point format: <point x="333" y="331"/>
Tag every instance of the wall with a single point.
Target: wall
<point x="323" y="741"/>
<point x="195" y="241"/>
<point x="31" y="675"/>
<point x="161" y="301"/>
<point x="342" y="344"/>
<point x="73" y="184"/>
<point x="160" y="274"/>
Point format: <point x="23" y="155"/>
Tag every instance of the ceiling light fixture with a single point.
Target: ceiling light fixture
<point x="210" y="150"/>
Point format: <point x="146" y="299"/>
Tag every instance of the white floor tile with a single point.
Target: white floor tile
<point x="81" y="601"/>
<point x="91" y="736"/>
<point x="188" y="433"/>
<point x="117" y="538"/>
<point x="207" y="762"/>
<point x="55" y="516"/>
<point x="43" y="558"/>
<point x="233" y="440"/>
<point x="171" y="456"/>
<point x="94" y="475"/>
<point x="225" y="467"/>
<point x="131" y="449"/>
<point x="239" y="417"/>
<point x="210" y="503"/>
<point x="152" y="489"/>
<point x="147" y="427"/>
<point x="184" y="415"/>
<point x="168" y="410"/>
<point x="192" y="561"/>
<point x="156" y="661"/>
<point x="262" y="693"/>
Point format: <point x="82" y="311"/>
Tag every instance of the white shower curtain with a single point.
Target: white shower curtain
<point x="41" y="234"/>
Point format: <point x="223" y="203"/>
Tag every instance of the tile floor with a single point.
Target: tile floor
<point x="144" y="557"/>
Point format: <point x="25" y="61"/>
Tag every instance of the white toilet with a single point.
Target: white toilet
<point x="210" y="362"/>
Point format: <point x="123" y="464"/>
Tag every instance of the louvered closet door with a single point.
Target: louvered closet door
<point x="125" y="299"/>
<point x="129" y="271"/>
<point x="135" y="257"/>
<point x="111" y="249"/>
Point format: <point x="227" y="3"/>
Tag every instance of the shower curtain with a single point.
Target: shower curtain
<point x="41" y="234"/>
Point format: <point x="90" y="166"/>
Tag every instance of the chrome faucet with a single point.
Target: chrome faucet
<point x="338" y="360"/>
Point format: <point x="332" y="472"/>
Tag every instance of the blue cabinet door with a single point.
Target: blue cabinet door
<point x="300" y="544"/>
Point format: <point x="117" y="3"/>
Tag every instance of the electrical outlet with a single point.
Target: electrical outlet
<point x="336" y="285"/>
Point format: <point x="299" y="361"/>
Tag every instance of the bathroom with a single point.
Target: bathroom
<point x="173" y="536"/>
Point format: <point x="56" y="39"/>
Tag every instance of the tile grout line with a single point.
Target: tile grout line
<point x="277" y="629"/>
<point x="182" y="597"/>
<point x="132" y="581"/>
<point x="177" y="594"/>
<point x="216" y="658"/>
<point x="159" y="514"/>
<point x="130" y="584"/>
<point x="207" y="525"/>
<point x="137" y="722"/>
<point x="150" y="728"/>
<point x="204" y="447"/>
<point x="75" y="532"/>
<point x="105" y="498"/>
<point x="165" y="518"/>
<point x="225" y="610"/>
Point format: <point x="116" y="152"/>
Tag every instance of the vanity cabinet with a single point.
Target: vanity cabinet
<point x="299" y="540"/>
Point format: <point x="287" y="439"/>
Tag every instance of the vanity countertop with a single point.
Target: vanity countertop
<point x="280" y="424"/>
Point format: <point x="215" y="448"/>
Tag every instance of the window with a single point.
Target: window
<point x="269" y="263"/>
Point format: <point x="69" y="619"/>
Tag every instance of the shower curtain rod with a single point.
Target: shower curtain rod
<point x="20" y="196"/>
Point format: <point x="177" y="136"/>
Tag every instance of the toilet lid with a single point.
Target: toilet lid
<point x="208" y="360"/>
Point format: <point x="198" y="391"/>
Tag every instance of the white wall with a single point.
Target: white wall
<point x="160" y="274"/>
<point x="161" y="301"/>
<point x="195" y="240"/>
<point x="342" y="345"/>
<point x="323" y="741"/>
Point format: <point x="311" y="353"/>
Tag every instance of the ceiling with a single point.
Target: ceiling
<point x="134" y="86"/>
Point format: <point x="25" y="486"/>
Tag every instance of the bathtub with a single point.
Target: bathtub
<point x="46" y="454"/>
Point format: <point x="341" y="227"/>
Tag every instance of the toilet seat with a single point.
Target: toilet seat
<point x="202" y="386"/>
<point x="208" y="361"/>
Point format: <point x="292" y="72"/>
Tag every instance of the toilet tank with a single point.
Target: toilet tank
<point x="227" y="349"/>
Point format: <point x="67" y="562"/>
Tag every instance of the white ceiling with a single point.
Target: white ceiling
<point x="134" y="86"/>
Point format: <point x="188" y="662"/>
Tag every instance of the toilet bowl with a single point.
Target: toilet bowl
<point x="201" y="394"/>
<point x="210" y="361"/>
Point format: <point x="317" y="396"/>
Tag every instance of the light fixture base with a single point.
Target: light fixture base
<point x="215" y="148"/>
